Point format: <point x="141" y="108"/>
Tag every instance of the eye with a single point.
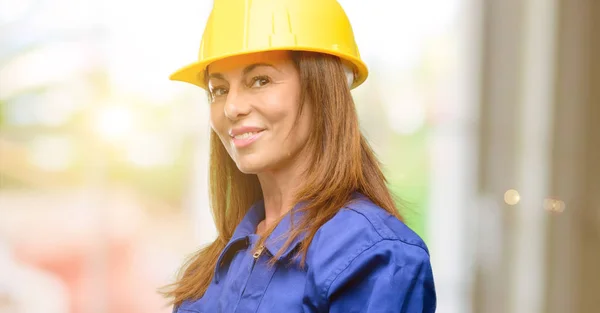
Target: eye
<point x="260" y="81"/>
<point x="218" y="91"/>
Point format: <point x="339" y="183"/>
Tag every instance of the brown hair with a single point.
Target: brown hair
<point x="343" y="163"/>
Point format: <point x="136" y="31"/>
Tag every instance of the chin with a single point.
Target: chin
<point x="251" y="165"/>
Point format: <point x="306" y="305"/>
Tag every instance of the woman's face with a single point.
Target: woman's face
<point x="255" y="102"/>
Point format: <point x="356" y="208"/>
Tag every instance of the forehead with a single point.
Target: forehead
<point x="239" y="62"/>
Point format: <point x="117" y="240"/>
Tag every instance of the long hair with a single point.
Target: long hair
<point x="342" y="163"/>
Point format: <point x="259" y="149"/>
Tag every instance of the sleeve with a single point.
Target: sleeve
<point x="389" y="277"/>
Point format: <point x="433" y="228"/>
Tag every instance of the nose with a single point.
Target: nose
<point x="237" y="106"/>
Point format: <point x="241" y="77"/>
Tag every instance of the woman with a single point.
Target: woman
<point x="304" y="218"/>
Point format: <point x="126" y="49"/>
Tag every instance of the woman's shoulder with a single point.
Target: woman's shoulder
<point x="363" y="239"/>
<point x="362" y="223"/>
<point x="362" y="228"/>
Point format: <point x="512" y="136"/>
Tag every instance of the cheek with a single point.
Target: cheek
<point x="281" y="112"/>
<point x="293" y="134"/>
<point x="217" y="119"/>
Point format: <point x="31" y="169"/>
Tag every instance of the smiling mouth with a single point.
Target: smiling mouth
<point x="246" y="139"/>
<point x="246" y="135"/>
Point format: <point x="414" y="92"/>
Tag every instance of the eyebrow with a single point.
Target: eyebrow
<point x="246" y="70"/>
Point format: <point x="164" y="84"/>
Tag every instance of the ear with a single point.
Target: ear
<point x="349" y="75"/>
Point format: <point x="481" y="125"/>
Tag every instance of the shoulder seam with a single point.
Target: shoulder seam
<point x="353" y="257"/>
<point x="370" y="222"/>
<point x="389" y="234"/>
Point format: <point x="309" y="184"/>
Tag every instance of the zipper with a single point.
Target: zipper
<point x="256" y="255"/>
<point x="258" y="252"/>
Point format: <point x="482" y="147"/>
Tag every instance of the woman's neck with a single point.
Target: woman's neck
<point x="278" y="194"/>
<point x="279" y="189"/>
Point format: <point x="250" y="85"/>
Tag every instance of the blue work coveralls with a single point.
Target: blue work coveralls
<point x="362" y="260"/>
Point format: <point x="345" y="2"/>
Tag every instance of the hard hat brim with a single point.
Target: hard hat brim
<point x="194" y="73"/>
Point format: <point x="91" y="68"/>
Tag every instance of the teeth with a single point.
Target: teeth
<point x="245" y="135"/>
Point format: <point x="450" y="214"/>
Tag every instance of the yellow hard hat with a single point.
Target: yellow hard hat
<point x="237" y="27"/>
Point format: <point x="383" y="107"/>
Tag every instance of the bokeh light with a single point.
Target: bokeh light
<point x="512" y="197"/>
<point x="554" y="205"/>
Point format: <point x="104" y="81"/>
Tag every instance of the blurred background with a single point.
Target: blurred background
<point x="484" y="112"/>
